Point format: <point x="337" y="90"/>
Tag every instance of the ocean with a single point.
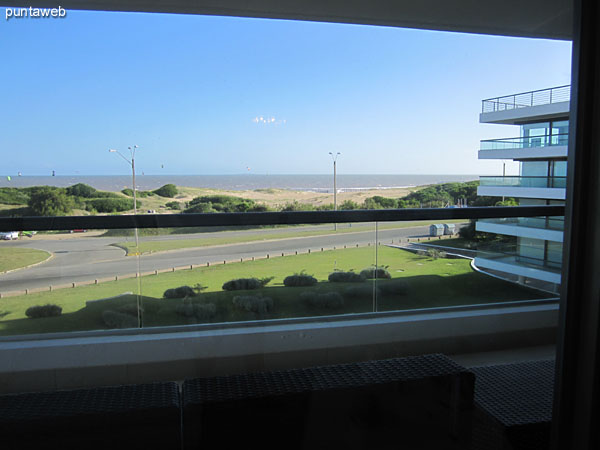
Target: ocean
<point x="316" y="183"/>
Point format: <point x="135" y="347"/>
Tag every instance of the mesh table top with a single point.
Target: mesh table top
<point x="295" y="381"/>
<point x="518" y="393"/>
<point x="80" y="402"/>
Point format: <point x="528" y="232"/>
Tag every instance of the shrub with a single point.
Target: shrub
<point x="48" y="201"/>
<point x="379" y="202"/>
<point x="35" y="312"/>
<point x="242" y="284"/>
<point x="184" y="309"/>
<point x="82" y="190"/>
<point x="299" y="279"/>
<point x="168" y="190"/>
<point x="178" y="206"/>
<point x="13" y="196"/>
<point x="433" y="253"/>
<point x="128" y="192"/>
<point x="360" y="291"/>
<point x="345" y="277"/>
<point x="349" y="204"/>
<point x="393" y="287"/>
<point x="114" y="319"/>
<point x="372" y="272"/>
<point x="110" y="205"/>
<point x="204" y="311"/>
<point x="200" y="208"/>
<point x="326" y="300"/>
<point x="179" y="292"/>
<point x="223" y="203"/>
<point x="253" y="303"/>
<point x="297" y="206"/>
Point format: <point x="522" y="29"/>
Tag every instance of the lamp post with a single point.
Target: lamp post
<point x="131" y="162"/>
<point x="334" y="157"/>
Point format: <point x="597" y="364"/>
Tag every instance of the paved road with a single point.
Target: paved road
<point x="86" y="258"/>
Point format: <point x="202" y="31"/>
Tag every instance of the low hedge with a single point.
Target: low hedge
<point x="245" y="284"/>
<point x="253" y="303"/>
<point x="325" y="300"/>
<point x="345" y="277"/>
<point x="299" y="279"/>
<point x="179" y="292"/>
<point x="372" y="273"/>
<point x="38" y="311"/>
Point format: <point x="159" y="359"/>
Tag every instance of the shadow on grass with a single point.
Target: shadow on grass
<point x="424" y="291"/>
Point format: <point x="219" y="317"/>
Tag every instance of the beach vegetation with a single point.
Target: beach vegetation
<point x="168" y="190"/>
<point x="48" y="201"/>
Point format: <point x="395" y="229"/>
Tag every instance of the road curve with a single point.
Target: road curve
<point x="84" y="259"/>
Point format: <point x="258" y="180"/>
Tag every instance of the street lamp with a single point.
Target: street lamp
<point x="334" y="157"/>
<point x="131" y="162"/>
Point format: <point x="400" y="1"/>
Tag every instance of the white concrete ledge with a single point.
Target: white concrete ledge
<point x="551" y="151"/>
<point x="525" y="114"/>
<point x="509" y="229"/>
<point x="237" y="342"/>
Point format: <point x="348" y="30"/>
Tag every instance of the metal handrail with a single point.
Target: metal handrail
<point x="527" y="99"/>
<point x="546" y="140"/>
<point x="271" y="218"/>
<point x="524" y="137"/>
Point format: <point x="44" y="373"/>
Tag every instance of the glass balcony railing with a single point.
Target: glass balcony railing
<point x="527" y="99"/>
<point x="546" y="223"/>
<point x="206" y="269"/>
<point x="525" y="142"/>
<point x="530" y="182"/>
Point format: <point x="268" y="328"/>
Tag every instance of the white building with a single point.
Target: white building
<point x="541" y="150"/>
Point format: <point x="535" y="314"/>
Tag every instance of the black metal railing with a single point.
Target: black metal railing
<point x="527" y="99"/>
<point x="525" y="142"/>
<point x="270" y="218"/>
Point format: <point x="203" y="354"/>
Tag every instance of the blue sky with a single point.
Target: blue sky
<point x="191" y="92"/>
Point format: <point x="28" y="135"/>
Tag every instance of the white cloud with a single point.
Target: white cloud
<point x="269" y="120"/>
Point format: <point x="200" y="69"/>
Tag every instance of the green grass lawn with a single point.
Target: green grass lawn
<point x="427" y="283"/>
<point x="14" y="258"/>
<point x="178" y="244"/>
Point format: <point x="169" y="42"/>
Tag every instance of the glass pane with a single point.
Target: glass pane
<point x="70" y="280"/>
<point x="436" y="267"/>
<point x="534" y="168"/>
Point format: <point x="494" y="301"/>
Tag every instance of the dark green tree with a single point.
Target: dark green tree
<point x="50" y="202"/>
<point x="81" y="190"/>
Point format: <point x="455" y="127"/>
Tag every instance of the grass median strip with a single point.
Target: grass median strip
<point x="430" y="283"/>
<point x="153" y="246"/>
<point x="16" y="258"/>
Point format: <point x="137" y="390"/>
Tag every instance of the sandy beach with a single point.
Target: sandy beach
<point x="279" y="197"/>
